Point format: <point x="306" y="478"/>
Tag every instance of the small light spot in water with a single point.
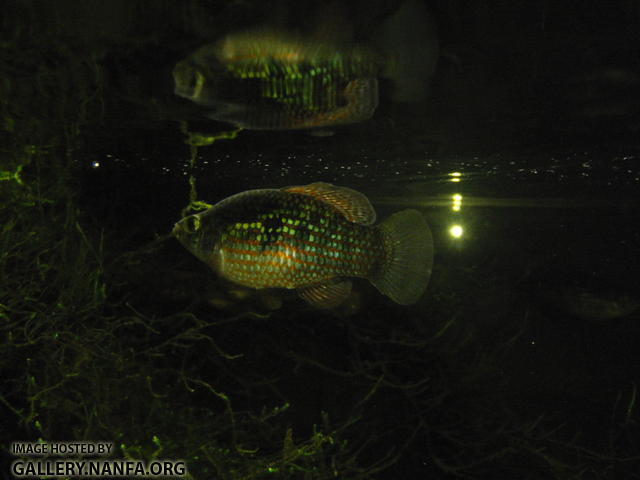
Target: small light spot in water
<point x="95" y="164"/>
<point x="457" y="202"/>
<point x="456" y="231"/>
<point x="455" y="176"/>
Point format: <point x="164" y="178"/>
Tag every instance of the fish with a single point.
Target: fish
<point x="270" y="78"/>
<point x="311" y="238"/>
<point x="597" y="306"/>
<point x="273" y="80"/>
<point x="594" y="296"/>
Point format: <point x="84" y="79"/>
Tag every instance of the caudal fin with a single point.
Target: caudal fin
<point x="408" y="243"/>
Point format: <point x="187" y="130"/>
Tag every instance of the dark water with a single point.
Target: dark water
<point x="522" y="359"/>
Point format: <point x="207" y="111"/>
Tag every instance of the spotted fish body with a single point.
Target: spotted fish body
<point x="285" y="240"/>
<point x="311" y="238"/>
<point x="268" y="80"/>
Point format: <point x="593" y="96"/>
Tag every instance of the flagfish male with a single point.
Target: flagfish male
<point x="271" y="80"/>
<point x="312" y="238"/>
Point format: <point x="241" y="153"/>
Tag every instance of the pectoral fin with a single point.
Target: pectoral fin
<point x="326" y="295"/>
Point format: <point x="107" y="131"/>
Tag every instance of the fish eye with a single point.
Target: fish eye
<point x="192" y="81"/>
<point x="195" y="82"/>
<point x="192" y="223"/>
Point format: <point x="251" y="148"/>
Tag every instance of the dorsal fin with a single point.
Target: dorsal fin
<point x="353" y="205"/>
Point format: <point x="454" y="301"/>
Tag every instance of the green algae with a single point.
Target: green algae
<point x="195" y="140"/>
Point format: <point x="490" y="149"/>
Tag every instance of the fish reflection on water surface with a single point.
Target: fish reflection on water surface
<point x="312" y="238"/>
<point x="267" y="80"/>
<point x="271" y="79"/>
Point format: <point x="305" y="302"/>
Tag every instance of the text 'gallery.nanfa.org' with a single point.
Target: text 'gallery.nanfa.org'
<point x="26" y="467"/>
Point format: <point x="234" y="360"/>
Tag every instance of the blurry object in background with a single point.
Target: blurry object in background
<point x="584" y="296"/>
<point x="240" y="300"/>
<point x="409" y="39"/>
<point x="606" y="95"/>
<point x="311" y="238"/>
<point x="271" y="79"/>
<point x="596" y="305"/>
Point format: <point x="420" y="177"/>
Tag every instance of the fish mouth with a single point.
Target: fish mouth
<point x="177" y="230"/>
<point x="189" y="81"/>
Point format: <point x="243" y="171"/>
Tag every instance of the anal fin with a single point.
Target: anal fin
<point x="326" y="295"/>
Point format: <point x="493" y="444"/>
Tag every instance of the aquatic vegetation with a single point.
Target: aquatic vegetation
<point x="12" y="176"/>
<point x="79" y="362"/>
